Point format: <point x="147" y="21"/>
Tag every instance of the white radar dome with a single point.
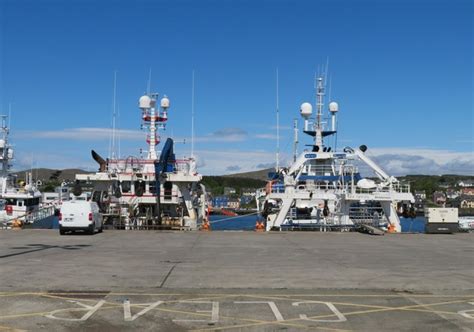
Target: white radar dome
<point x="333" y="107"/>
<point x="306" y="110"/>
<point x="165" y="102"/>
<point x="144" y="102"/>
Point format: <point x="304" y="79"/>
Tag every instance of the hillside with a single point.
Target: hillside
<point x="47" y="175"/>
<point x="251" y="180"/>
<point x="256" y="175"/>
<point x="216" y="184"/>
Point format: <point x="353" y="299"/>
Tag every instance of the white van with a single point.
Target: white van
<point x="80" y="216"/>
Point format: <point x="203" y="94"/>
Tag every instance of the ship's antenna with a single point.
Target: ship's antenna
<point x="148" y="86"/>
<point x="118" y="132"/>
<point x="278" y="122"/>
<point x="9" y="115"/>
<point x="192" y="116"/>
<point x="295" y="140"/>
<point x="329" y="88"/>
<point x="326" y="72"/>
<point x="114" y="115"/>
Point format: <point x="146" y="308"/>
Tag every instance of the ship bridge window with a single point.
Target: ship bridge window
<point x="152" y="187"/>
<point x="139" y="188"/>
<point x="32" y="201"/>
<point x="126" y="186"/>
<point x="11" y="201"/>
<point x="168" y="190"/>
<point x="20" y="203"/>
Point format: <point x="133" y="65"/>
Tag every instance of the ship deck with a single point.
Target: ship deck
<point x="172" y="281"/>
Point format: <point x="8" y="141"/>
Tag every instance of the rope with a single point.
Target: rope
<point x="243" y="215"/>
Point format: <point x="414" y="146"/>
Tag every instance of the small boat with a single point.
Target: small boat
<point x="20" y="201"/>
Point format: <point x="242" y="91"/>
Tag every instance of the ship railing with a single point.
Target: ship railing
<point x="318" y="170"/>
<point x="395" y="187"/>
<point x="29" y="217"/>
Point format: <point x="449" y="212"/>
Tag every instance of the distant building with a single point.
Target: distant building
<point x="229" y="191"/>
<point x="467" y="191"/>
<point x="467" y="202"/>
<point x="444" y="185"/>
<point x="233" y="203"/>
<point x="420" y="197"/>
<point x="452" y="194"/>
<point x="220" y="202"/>
<point x="466" y="183"/>
<point x="439" y="198"/>
<point x="248" y="192"/>
<point x="420" y="194"/>
<point x="246" y="199"/>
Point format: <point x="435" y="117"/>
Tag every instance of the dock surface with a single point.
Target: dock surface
<point x="242" y="281"/>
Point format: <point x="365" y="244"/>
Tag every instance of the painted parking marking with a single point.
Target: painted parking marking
<point x="127" y="313"/>
<point x="467" y="313"/>
<point x="278" y="305"/>
<point x="339" y="315"/>
<point x="214" y="312"/>
<point x="271" y="304"/>
<point x="90" y="310"/>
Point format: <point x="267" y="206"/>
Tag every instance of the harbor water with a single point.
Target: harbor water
<point x="247" y="223"/>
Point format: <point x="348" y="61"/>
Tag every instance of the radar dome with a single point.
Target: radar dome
<point x="306" y="110"/>
<point x="144" y="102"/>
<point x="333" y="107"/>
<point x="165" y="102"/>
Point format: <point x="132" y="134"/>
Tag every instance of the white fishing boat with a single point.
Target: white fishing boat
<point x="323" y="189"/>
<point x="20" y="200"/>
<point x="158" y="191"/>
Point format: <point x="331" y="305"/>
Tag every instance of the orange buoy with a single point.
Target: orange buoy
<point x="259" y="227"/>
<point x="206" y="227"/>
<point x="17" y="224"/>
<point x="391" y="229"/>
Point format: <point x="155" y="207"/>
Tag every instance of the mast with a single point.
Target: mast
<point x="113" y="152"/>
<point x="6" y="153"/>
<point x="152" y="138"/>
<point x="277" y="124"/>
<point x="295" y="139"/>
<point x="192" y="117"/>
<point x="318" y="140"/>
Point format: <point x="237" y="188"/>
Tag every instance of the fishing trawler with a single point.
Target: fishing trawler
<point x="20" y="201"/>
<point x="324" y="190"/>
<point x="154" y="192"/>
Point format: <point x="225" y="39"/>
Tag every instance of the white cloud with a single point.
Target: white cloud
<point x="266" y="136"/>
<point x="225" y="162"/>
<point x="403" y="161"/>
<point x="80" y="134"/>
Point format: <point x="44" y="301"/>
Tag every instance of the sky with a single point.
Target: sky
<point x="401" y="72"/>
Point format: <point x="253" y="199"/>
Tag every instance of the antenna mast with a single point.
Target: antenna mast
<point x="295" y="140"/>
<point x="278" y="123"/>
<point x="192" y="117"/>
<point x="113" y="152"/>
<point x="148" y="86"/>
<point x="319" y="104"/>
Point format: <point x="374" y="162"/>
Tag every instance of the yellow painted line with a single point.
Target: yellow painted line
<point x="7" y="328"/>
<point x="345" y="314"/>
<point x="356" y="304"/>
<point x="254" y="322"/>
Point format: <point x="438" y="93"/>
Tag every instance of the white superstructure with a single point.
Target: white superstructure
<point x="324" y="190"/>
<point x="19" y="200"/>
<point x="158" y="191"/>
